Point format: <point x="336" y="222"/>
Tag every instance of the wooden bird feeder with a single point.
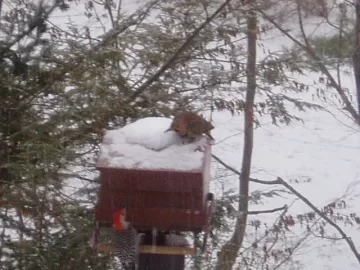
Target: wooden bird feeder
<point x="168" y="200"/>
<point x="161" y="199"/>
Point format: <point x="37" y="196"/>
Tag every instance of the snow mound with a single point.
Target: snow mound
<point x="144" y="145"/>
<point x="149" y="132"/>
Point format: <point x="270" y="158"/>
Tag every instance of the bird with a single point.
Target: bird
<point x="125" y="240"/>
<point x="190" y="125"/>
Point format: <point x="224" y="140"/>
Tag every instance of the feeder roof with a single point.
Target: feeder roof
<point x="143" y="144"/>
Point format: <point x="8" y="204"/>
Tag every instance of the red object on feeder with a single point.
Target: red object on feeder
<point x="120" y="222"/>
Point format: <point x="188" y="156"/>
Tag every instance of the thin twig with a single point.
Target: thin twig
<point x="268" y="211"/>
<point x="291" y="251"/>
<point x="264" y="182"/>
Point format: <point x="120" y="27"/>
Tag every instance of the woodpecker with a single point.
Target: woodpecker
<point x="190" y="125"/>
<point x="125" y="241"/>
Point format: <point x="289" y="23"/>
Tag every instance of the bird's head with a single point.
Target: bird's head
<point x="120" y="222"/>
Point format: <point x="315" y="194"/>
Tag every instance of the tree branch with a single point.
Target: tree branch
<point x="308" y="49"/>
<point x="264" y="182"/>
<point x="268" y="211"/>
<point x="170" y="62"/>
<point x="74" y="63"/>
<point x="35" y="22"/>
<point x="322" y="215"/>
<point x="280" y="181"/>
<point x="238" y="214"/>
<point x="134" y="19"/>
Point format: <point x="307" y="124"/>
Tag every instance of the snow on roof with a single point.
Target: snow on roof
<point x="144" y="145"/>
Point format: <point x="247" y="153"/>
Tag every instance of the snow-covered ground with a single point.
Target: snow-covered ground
<point x="319" y="158"/>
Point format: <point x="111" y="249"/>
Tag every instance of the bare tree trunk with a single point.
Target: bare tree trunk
<point x="230" y="250"/>
<point x="356" y="56"/>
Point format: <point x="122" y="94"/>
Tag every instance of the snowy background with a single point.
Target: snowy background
<point x="319" y="158"/>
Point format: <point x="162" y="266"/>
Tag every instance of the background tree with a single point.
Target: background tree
<point x="326" y="54"/>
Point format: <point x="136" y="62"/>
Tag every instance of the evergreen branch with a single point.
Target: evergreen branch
<point x="36" y="21"/>
<point x="170" y="62"/>
<point x="134" y="19"/>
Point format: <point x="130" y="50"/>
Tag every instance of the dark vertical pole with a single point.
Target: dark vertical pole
<point x="356" y="56"/>
<point x="161" y="262"/>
